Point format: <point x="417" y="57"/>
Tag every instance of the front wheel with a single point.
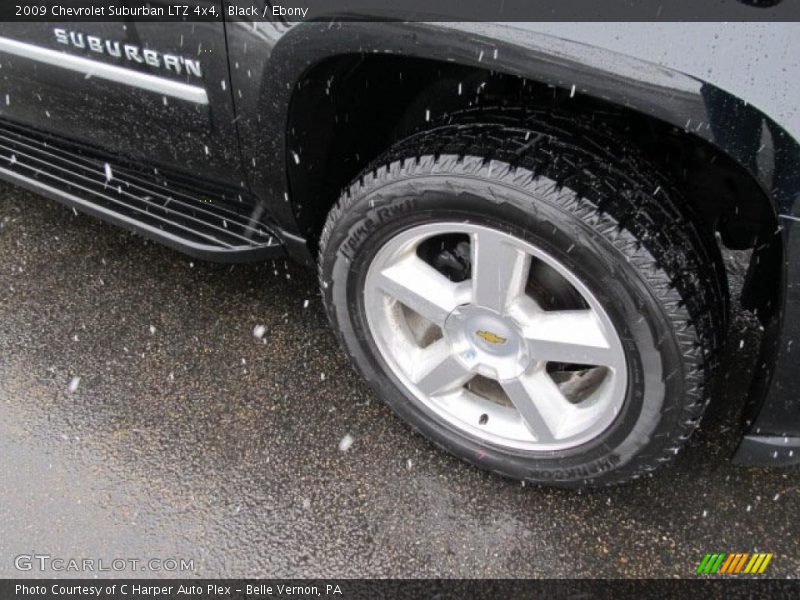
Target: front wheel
<point x="530" y="308"/>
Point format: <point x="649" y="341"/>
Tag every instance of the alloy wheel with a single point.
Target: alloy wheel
<point x="512" y="348"/>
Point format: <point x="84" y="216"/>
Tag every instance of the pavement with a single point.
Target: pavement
<point x="188" y="437"/>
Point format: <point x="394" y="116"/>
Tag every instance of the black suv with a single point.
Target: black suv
<point x="517" y="228"/>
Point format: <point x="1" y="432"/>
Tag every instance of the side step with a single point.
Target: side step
<point x="213" y="224"/>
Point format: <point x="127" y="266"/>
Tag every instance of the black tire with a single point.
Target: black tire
<point x="592" y="201"/>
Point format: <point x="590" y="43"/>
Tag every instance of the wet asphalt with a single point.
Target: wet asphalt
<point x="189" y="437"/>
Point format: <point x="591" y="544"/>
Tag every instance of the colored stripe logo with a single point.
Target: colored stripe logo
<point x="735" y="563"/>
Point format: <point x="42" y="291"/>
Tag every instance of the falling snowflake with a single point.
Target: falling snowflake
<point x="259" y="331"/>
<point x="346" y="442"/>
<point x="73" y="384"/>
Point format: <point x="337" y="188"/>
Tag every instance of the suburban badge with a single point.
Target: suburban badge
<point x="129" y="52"/>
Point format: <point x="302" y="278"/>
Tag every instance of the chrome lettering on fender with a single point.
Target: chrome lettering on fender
<point x="129" y="52"/>
<point x="100" y="69"/>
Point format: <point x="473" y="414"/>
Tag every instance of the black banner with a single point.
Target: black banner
<point x="403" y="10"/>
<point x="347" y="589"/>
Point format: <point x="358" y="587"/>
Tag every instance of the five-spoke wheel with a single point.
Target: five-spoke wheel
<point x="484" y="353"/>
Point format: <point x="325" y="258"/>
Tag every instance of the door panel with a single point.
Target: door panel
<point x="155" y="93"/>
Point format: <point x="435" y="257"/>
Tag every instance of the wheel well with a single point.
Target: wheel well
<point x="348" y="109"/>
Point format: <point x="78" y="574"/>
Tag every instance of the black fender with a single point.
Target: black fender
<point x="279" y="54"/>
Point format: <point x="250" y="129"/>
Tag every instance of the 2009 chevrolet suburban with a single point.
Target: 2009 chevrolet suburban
<point x="517" y="227"/>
